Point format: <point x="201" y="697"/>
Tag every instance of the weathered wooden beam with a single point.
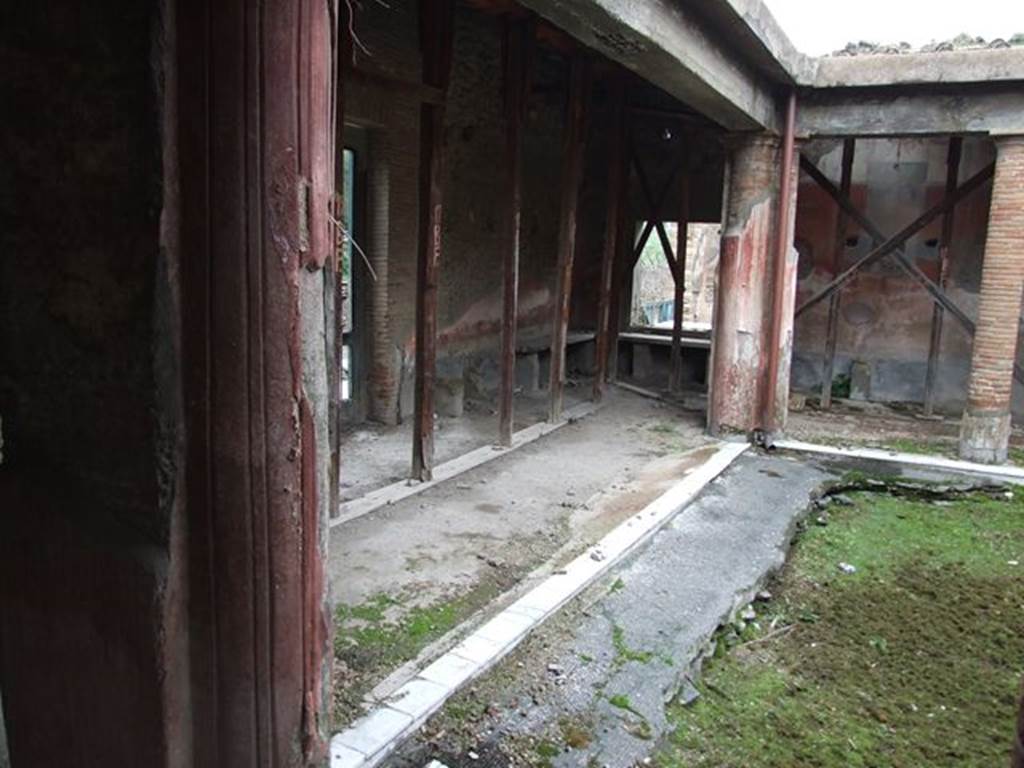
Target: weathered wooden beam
<point x="572" y="172"/>
<point x="906" y="264"/>
<point x="832" y="332"/>
<point x="518" y="43"/>
<point x="616" y="172"/>
<point x="624" y="262"/>
<point x="367" y="76"/>
<point x="897" y="241"/>
<point x="334" y="305"/>
<point x="436" y="31"/>
<point x="654" y="215"/>
<point x="945" y="242"/>
<point x="675" y="381"/>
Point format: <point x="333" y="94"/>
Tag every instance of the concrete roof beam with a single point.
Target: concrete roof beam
<point x="668" y="45"/>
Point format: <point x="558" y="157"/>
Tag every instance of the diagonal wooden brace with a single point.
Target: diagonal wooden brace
<point x="655" y="216"/>
<point x="894" y="246"/>
<point x="654" y="210"/>
<point x="897" y="241"/>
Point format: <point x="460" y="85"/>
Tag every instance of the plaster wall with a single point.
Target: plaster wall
<point x="885" y="317"/>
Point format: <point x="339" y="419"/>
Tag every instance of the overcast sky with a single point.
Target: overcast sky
<point x="823" y="26"/>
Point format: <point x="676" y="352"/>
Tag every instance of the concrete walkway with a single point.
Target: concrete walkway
<point x="599" y="674"/>
<point x="539" y="504"/>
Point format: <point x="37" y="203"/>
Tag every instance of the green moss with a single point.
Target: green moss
<point x="623" y="652"/>
<point x="662" y="428"/>
<point x="621" y="701"/>
<point x="617" y="586"/>
<point x="547" y="749"/>
<point x="934" y="447"/>
<point x="911" y="661"/>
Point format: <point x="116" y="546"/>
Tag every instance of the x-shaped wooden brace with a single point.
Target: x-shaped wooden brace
<point x="654" y="221"/>
<point x="894" y="245"/>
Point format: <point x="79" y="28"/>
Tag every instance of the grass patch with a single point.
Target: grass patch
<point x="382" y="633"/>
<point x="923" y="447"/>
<point x="914" y="660"/>
<point x="1016" y="456"/>
<point x="617" y="586"/>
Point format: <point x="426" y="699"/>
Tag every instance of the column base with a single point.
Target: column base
<point x="985" y="437"/>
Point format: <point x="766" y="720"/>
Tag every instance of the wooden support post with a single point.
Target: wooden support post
<point x="935" y="341"/>
<point x="436" y="17"/>
<point x="518" y="39"/>
<point x="334" y="305"/>
<point x="675" y="381"/>
<point x="828" y="370"/>
<point x="620" y="272"/>
<point x="616" y="172"/>
<point x="572" y="167"/>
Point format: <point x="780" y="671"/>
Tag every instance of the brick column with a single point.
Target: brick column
<point x="744" y="303"/>
<point x="985" y="429"/>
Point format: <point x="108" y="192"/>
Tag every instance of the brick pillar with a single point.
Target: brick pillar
<point x="985" y="428"/>
<point x="744" y="302"/>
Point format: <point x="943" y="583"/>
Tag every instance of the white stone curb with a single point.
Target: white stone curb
<point x="1003" y="472"/>
<point x="403" y="489"/>
<point x="372" y="738"/>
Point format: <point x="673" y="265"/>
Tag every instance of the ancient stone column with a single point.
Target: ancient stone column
<point x="744" y="303"/>
<point x="985" y="428"/>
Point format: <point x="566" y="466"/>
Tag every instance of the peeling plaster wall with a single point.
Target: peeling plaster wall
<point x="744" y="306"/>
<point x="885" y="317"/>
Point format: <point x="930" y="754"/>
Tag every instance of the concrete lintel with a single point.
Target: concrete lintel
<point x="997" y="109"/>
<point x="672" y="47"/>
<point x="763" y="39"/>
<point x="949" y="67"/>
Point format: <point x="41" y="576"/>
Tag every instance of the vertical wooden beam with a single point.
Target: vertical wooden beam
<point x="334" y="304"/>
<point x="616" y="172"/>
<point x="773" y="405"/>
<point x="832" y="333"/>
<point x="675" y="382"/>
<point x="518" y="40"/>
<point x="436" y="21"/>
<point x="620" y="276"/>
<point x="935" y="341"/>
<point x="256" y="184"/>
<point x="572" y="167"/>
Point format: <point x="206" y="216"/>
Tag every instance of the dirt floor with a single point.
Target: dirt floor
<point x="895" y="638"/>
<point x="874" y="425"/>
<point x="375" y="455"/>
<point x="404" y="576"/>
